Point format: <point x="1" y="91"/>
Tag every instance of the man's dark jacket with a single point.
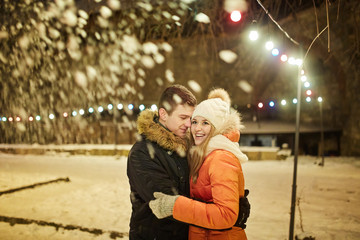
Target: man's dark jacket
<point x="156" y="163"/>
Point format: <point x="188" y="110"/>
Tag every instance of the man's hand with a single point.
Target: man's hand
<point x="244" y="211"/>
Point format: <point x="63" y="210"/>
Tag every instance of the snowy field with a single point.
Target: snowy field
<point x="95" y="204"/>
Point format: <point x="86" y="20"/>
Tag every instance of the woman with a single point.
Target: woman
<point x="217" y="181"/>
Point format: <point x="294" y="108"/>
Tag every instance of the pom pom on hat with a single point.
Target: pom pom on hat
<point x="215" y="109"/>
<point x="220" y="93"/>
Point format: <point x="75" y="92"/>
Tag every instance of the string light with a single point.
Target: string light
<point x="154" y="107"/>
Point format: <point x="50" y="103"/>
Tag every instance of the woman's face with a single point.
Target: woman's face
<point x="200" y="129"/>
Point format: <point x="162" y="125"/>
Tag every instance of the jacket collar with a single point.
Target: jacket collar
<point x="149" y="126"/>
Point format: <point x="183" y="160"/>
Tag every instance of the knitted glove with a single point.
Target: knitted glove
<point x="244" y="211"/>
<point x="163" y="204"/>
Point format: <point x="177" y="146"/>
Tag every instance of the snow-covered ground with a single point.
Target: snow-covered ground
<point x="97" y="197"/>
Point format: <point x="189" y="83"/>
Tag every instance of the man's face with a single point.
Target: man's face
<point x="179" y="121"/>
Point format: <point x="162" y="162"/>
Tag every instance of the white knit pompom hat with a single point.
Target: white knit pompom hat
<point x="215" y="109"/>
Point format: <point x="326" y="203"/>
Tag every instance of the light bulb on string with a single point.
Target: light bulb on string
<point x="275" y="52"/>
<point x="51" y="116"/>
<point x="110" y="106"/>
<point x="307" y="84"/>
<point x="308" y="99"/>
<point x="82" y="111"/>
<point x="272" y="104"/>
<point x="142" y="107"/>
<point x="283" y="102"/>
<point x="319" y="99"/>
<point x="260" y="105"/>
<point x="130" y="106"/>
<point x="100" y="109"/>
<point x="91" y="110"/>
<point x="284" y="58"/>
<point x="253" y="35"/>
<point x="74" y="113"/>
<point x="269" y="45"/>
<point x="308" y="92"/>
<point x="294" y="101"/>
<point x="235" y="16"/>
<point x="120" y="106"/>
<point x="38" y="118"/>
<point x="153" y="107"/>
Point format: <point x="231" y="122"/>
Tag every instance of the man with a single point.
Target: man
<point x="157" y="163"/>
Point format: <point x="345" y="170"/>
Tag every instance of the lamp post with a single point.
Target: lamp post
<point x="320" y="100"/>
<point x="296" y="153"/>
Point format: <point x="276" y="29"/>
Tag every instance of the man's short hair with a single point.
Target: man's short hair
<point x="175" y="95"/>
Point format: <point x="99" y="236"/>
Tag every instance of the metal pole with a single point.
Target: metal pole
<point x="322" y="134"/>
<point x="296" y="153"/>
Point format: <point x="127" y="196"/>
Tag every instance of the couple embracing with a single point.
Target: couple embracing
<point x="188" y="185"/>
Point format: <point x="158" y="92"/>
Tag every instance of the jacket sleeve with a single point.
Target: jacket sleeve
<point x="224" y="173"/>
<point x="147" y="174"/>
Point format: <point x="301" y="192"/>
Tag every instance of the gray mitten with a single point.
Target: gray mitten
<point x="163" y="204"/>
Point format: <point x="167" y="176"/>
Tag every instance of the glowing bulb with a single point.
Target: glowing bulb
<point x="269" y="45"/>
<point x="10" y="119"/>
<point x="154" y="107"/>
<point x="275" y="52"/>
<point x="18" y="119"/>
<point x="306" y="84"/>
<point x="100" y="109"/>
<point x="74" y="113"/>
<point x="308" y="99"/>
<point x="283" y="58"/>
<point x="260" y="105"/>
<point x="130" y="106"/>
<point x="38" y="118"/>
<point x="65" y="114"/>
<point x="82" y="111"/>
<point x="294" y="101"/>
<point x="51" y="116"/>
<point x="292" y="61"/>
<point x="120" y="106"/>
<point x="283" y="102"/>
<point x="91" y="110"/>
<point x="303" y="78"/>
<point x="254" y="35"/>
<point x="299" y="62"/>
<point x="142" y="107"/>
<point x="308" y="92"/>
<point x="110" y="106"/>
<point x="271" y="103"/>
<point x="235" y="16"/>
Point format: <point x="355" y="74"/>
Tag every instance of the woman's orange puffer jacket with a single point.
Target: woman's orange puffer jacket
<point x="219" y="186"/>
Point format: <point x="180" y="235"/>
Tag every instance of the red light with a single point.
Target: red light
<point x="235" y="16"/>
<point x="260" y="105"/>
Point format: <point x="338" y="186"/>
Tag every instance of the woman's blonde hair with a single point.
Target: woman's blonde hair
<point x="196" y="155"/>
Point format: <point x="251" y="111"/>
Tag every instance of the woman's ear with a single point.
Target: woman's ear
<point x="163" y="114"/>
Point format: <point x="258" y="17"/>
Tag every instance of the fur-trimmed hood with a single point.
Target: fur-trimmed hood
<point x="153" y="131"/>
